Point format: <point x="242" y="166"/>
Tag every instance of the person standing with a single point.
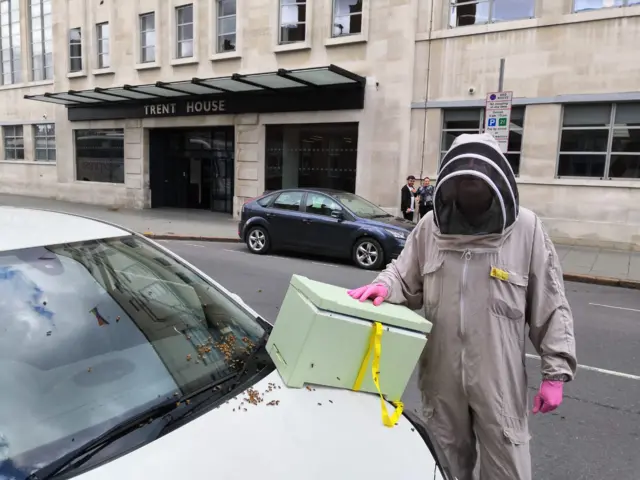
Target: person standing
<point x="487" y="274"/>
<point x="425" y="197"/>
<point x="408" y="198"/>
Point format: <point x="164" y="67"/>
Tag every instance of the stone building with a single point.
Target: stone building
<point x="205" y="103"/>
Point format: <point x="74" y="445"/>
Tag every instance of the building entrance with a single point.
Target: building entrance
<point x="192" y="168"/>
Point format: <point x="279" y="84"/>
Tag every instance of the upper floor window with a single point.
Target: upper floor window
<point x="10" y="65"/>
<point x="293" y="21"/>
<point x="148" y="37"/>
<point x="585" y="5"/>
<point x="456" y="122"/>
<point x="184" y="31"/>
<point x="102" y="38"/>
<point x="481" y="12"/>
<point x="226" y="26"/>
<point x="347" y="17"/>
<point x="41" y="39"/>
<point x="75" y="50"/>
<point x="600" y="141"/>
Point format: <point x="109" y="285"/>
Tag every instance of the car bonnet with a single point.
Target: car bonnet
<point x="312" y="433"/>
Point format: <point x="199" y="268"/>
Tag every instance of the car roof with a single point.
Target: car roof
<point x="28" y="228"/>
<point x="328" y="191"/>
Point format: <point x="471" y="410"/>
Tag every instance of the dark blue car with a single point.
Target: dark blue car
<point x="331" y="222"/>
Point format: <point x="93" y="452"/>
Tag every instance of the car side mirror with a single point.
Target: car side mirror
<point x="337" y="214"/>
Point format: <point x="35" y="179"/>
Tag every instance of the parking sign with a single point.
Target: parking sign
<point x="498" y="116"/>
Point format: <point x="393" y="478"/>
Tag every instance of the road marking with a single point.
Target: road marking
<point x="325" y="264"/>
<point x="613" y="373"/>
<point x="617" y="308"/>
<point x="194" y="245"/>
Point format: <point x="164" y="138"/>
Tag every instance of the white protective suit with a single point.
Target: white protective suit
<point x="483" y="290"/>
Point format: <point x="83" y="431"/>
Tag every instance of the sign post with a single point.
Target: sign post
<point x="497" y="117"/>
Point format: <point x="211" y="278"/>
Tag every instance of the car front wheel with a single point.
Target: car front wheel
<point x="258" y="240"/>
<point x="368" y="254"/>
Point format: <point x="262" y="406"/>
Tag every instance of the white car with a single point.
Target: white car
<point x="119" y="360"/>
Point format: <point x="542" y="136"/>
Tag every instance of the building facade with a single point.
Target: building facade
<point x="205" y="103"/>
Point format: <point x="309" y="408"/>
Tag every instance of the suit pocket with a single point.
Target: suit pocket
<point x="508" y="293"/>
<point x="432" y="283"/>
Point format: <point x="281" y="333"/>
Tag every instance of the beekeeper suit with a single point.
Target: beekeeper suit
<point x="485" y="270"/>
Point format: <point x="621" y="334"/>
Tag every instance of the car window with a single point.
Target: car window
<point x="361" y="207"/>
<point x="264" y="201"/>
<point x="288" y="201"/>
<point x="95" y="332"/>
<point x="321" y="204"/>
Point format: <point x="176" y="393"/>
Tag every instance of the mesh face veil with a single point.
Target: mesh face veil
<point x="476" y="192"/>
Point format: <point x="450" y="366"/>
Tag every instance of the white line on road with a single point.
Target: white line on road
<point x="613" y="373"/>
<point x="617" y="308"/>
<point x="194" y="245"/>
<point x="325" y="264"/>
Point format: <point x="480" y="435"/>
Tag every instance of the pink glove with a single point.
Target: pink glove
<point x="377" y="292"/>
<point x="549" y="397"/>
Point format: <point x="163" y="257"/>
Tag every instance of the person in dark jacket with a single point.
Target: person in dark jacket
<point x="408" y="198"/>
<point x="425" y="194"/>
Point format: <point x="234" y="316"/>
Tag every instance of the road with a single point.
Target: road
<point x="595" y="434"/>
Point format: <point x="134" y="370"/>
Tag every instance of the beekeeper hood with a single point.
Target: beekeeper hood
<point x="476" y="191"/>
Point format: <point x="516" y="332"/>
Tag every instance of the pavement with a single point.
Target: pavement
<point x="595" y="434"/>
<point x="579" y="263"/>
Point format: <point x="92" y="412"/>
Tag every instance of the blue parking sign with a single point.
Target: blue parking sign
<point x="491" y="122"/>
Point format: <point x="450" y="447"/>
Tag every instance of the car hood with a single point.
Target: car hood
<point x="312" y="433"/>
<point x="390" y="222"/>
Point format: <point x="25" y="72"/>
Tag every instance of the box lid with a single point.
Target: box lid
<point x="335" y="299"/>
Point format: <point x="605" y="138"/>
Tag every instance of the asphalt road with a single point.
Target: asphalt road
<point x="595" y="434"/>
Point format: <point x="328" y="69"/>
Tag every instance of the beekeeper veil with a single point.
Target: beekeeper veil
<point x="476" y="191"/>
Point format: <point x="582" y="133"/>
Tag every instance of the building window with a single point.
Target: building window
<point x="10" y="65"/>
<point x="45" y="140"/>
<point x="41" y="40"/>
<point x="586" y="5"/>
<point x="148" y="37"/>
<point x="456" y="122"/>
<point x="184" y="31"/>
<point x="313" y="155"/>
<point x="100" y="155"/>
<point x="600" y="141"/>
<point x="75" y="50"/>
<point x="226" y="26"/>
<point x="347" y="17"/>
<point x="102" y="39"/>
<point x="293" y="21"/>
<point x="481" y="12"/>
<point x="13" y="142"/>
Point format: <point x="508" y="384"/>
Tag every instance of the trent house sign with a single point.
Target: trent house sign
<point x="192" y="107"/>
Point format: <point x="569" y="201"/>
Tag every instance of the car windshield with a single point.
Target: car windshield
<point x="93" y="333"/>
<point x="361" y="207"/>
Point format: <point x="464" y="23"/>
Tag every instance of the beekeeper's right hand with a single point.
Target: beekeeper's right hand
<point x="378" y="292"/>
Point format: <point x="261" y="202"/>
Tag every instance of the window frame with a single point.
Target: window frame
<point x="102" y="44"/>
<point x="177" y="26"/>
<point x="15" y="42"/>
<point x="218" y="18"/>
<point x="482" y="110"/>
<point x="281" y="5"/>
<point x="13" y="136"/>
<point x="46" y="137"/>
<point x="119" y="131"/>
<point x="47" y="67"/>
<point x="333" y="20"/>
<point x="142" y="47"/>
<point x="625" y="3"/>
<point x="490" y="21"/>
<point x="610" y="128"/>
<point x="72" y="43"/>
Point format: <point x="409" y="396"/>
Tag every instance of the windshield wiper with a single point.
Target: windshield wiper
<point x="84" y="453"/>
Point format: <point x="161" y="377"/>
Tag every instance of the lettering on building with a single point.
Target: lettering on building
<point x="205" y="106"/>
<point x="161" y="109"/>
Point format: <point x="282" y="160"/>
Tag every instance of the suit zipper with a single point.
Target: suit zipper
<point x="467" y="256"/>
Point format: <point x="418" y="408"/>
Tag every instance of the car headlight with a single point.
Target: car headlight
<point x="396" y="233"/>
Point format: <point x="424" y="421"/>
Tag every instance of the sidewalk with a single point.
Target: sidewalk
<point x="580" y="264"/>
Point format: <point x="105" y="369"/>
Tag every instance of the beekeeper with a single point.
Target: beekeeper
<point x="484" y="269"/>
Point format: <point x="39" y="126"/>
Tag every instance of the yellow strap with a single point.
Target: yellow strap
<point x="375" y="347"/>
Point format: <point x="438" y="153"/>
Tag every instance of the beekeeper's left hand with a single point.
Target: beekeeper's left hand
<point x="549" y="396"/>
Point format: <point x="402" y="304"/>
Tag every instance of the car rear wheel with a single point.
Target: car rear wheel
<point x="258" y="240"/>
<point x="368" y="254"/>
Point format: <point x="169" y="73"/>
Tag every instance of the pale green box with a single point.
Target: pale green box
<point x="321" y="336"/>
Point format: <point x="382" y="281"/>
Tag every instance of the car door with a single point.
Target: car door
<point x="286" y="219"/>
<point x="323" y="232"/>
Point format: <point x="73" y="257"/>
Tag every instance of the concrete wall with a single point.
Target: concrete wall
<point x="558" y="53"/>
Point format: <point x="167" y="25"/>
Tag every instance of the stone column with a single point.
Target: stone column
<point x="249" y="139"/>
<point x="541" y="138"/>
<point x="133" y="163"/>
